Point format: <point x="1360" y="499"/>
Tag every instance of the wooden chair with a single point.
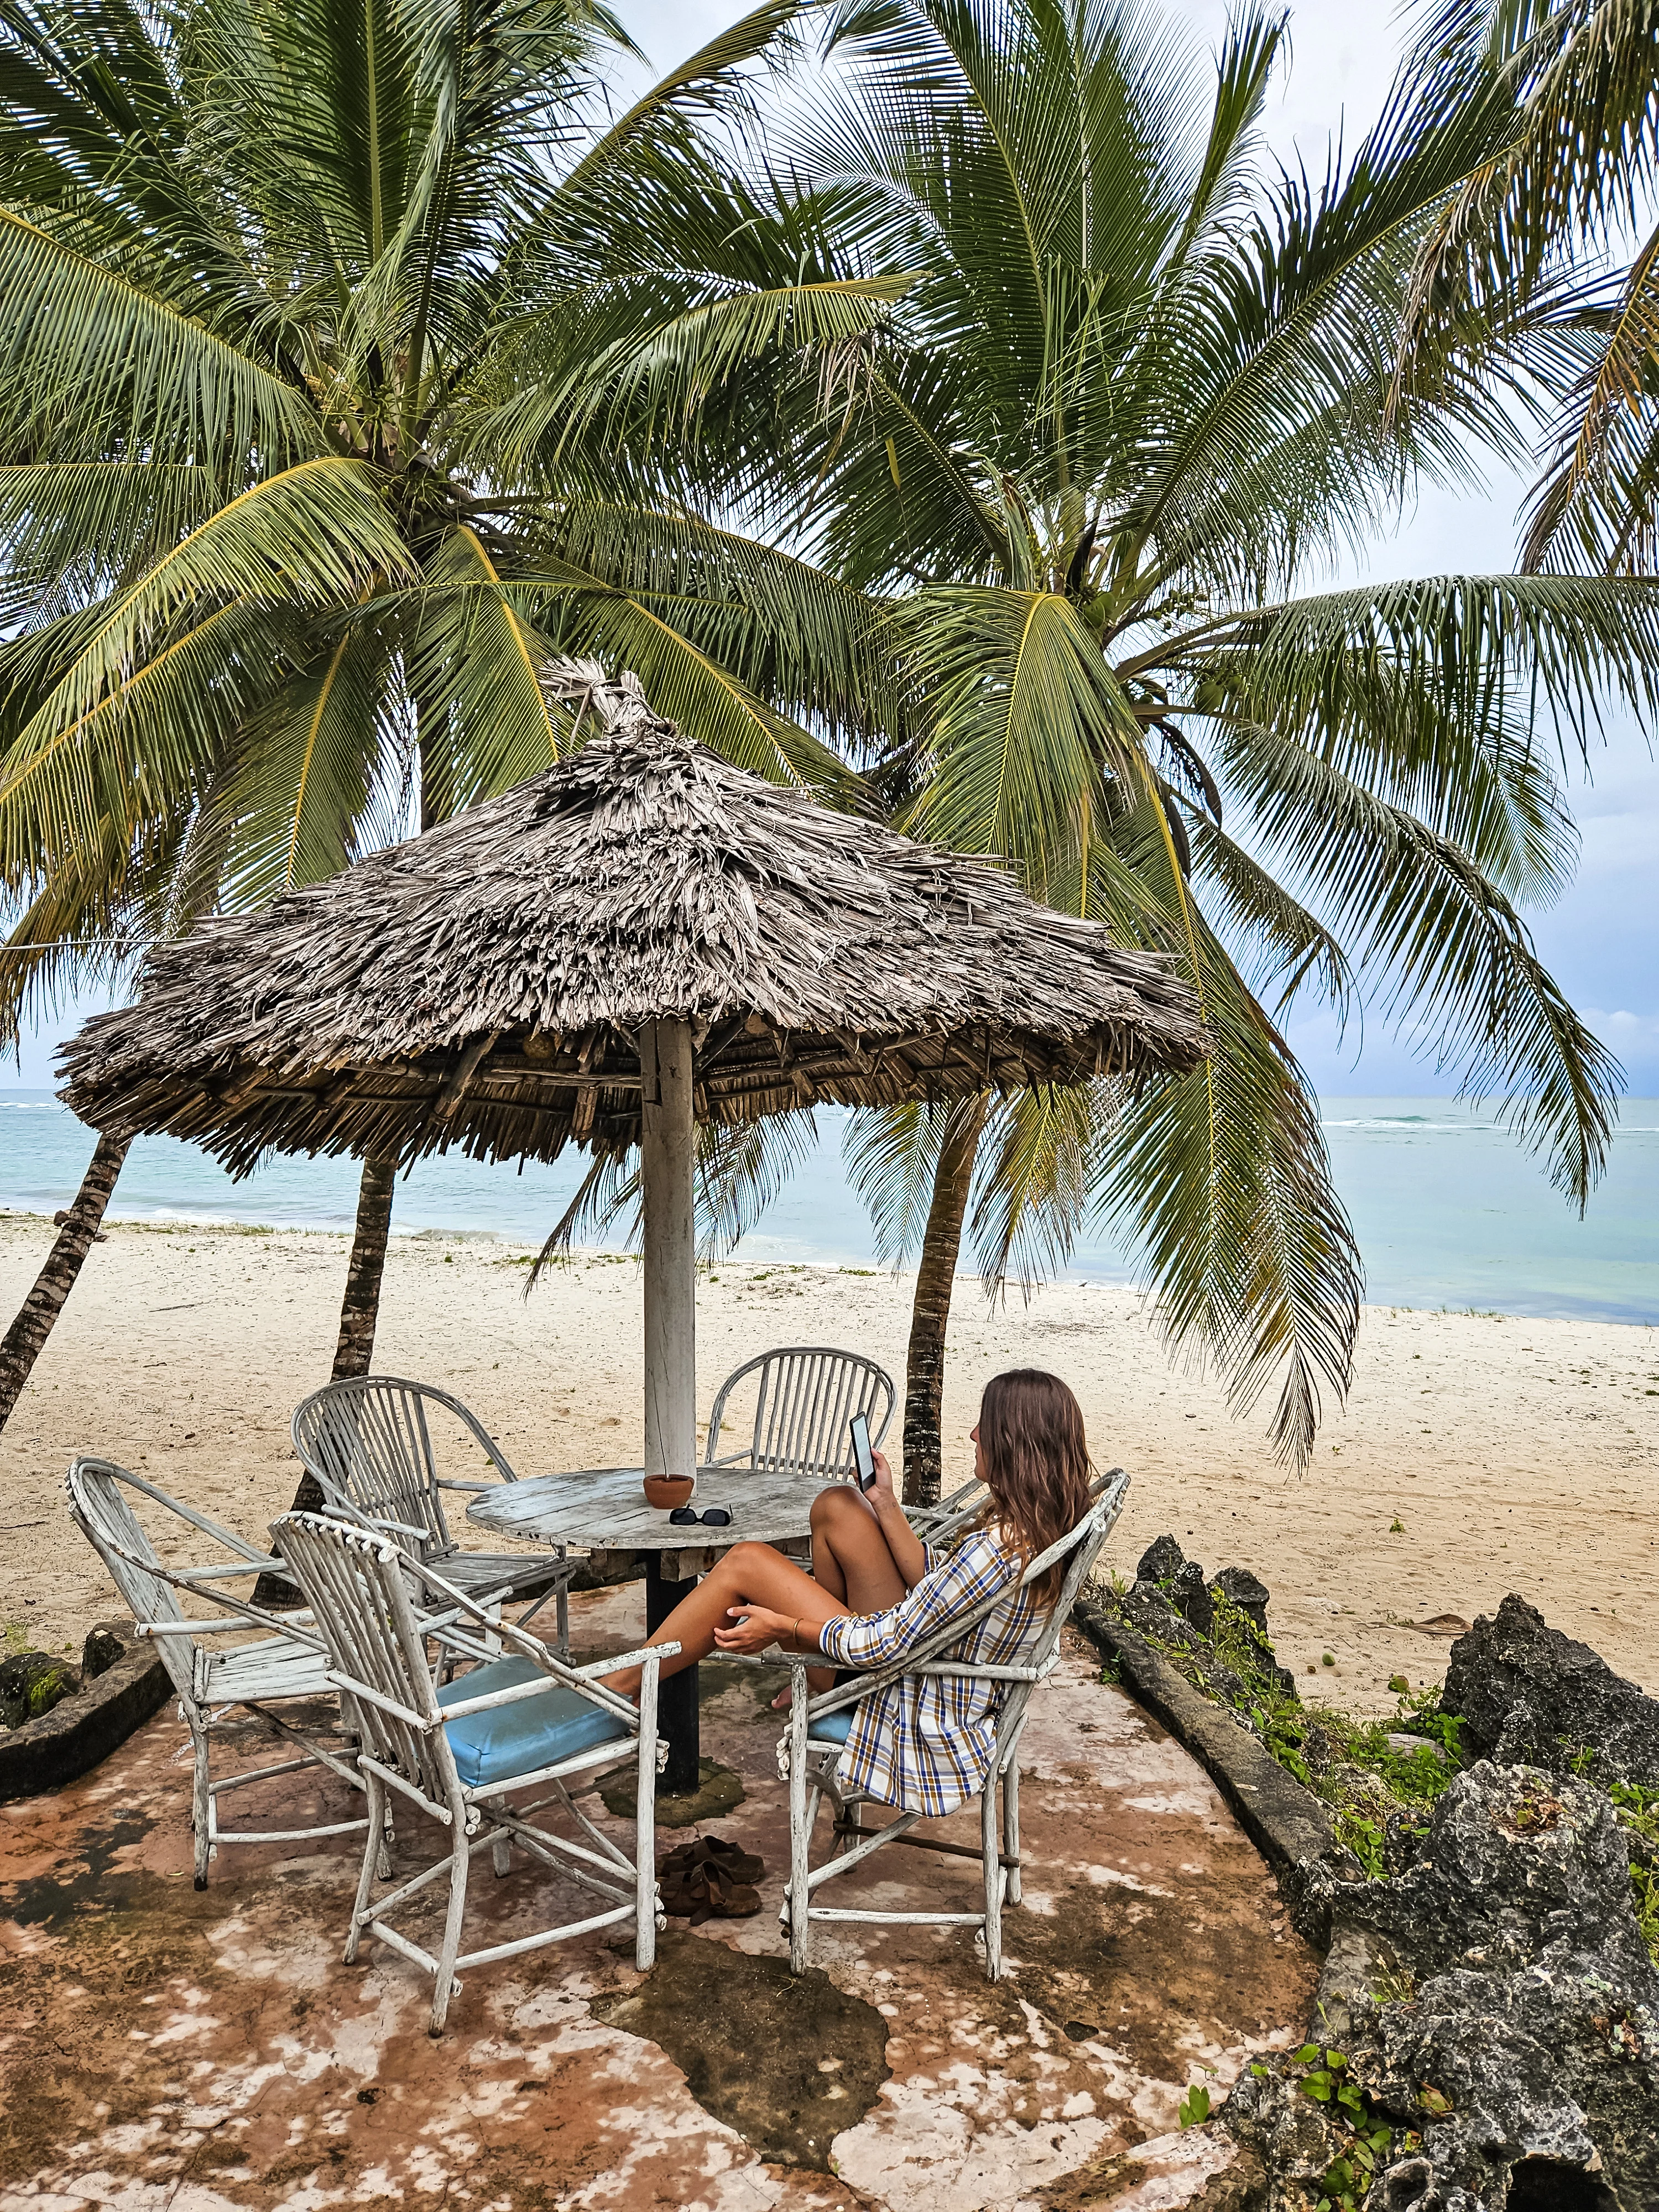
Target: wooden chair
<point x="805" y="1397"/>
<point x="368" y="1443"/>
<point x="819" y="1727"/>
<point x="522" y="1722"/>
<point x="212" y="1681"/>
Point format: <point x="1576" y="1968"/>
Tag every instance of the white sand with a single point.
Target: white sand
<point x="1517" y="1455"/>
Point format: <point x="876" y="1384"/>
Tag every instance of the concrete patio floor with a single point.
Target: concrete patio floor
<point x="166" y="2050"/>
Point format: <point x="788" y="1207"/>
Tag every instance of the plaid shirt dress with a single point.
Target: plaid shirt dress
<point x="925" y="1743"/>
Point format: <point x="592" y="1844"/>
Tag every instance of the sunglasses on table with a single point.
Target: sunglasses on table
<point x="712" y="1516"/>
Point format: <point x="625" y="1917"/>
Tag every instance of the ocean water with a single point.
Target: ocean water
<point x="1449" y="1210"/>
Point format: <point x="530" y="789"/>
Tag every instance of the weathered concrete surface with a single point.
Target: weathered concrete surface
<point x="164" y="2050"/>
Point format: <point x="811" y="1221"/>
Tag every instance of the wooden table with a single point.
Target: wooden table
<point x="603" y="1509"/>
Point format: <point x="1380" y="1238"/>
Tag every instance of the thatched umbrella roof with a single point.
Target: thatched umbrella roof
<point x="484" y="985"/>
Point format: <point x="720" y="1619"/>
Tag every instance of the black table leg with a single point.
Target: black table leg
<point x="677" y="1697"/>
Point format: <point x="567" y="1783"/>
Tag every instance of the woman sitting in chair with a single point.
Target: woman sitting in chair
<point x="877" y="1591"/>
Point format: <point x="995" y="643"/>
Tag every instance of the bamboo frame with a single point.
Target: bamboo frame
<point x="356" y="1583"/>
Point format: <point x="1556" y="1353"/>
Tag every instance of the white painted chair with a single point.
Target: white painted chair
<point x="819" y="1727"/>
<point x="368" y="1442"/>
<point x="931" y="1523"/>
<point x="521" y="1721"/>
<point x="213" y="1682"/>
<point x="805" y="1397"/>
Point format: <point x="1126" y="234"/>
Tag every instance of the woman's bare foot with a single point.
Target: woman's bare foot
<point x="783" y="1700"/>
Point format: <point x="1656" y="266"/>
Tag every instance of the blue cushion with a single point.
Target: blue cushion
<point x="522" y="1738"/>
<point x="834" y="1728"/>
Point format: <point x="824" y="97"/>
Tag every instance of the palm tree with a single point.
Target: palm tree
<point x="1134" y="392"/>
<point x="272" y="583"/>
<point x="1544" y="266"/>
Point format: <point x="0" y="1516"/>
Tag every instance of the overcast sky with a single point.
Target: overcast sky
<point x="1603" y="938"/>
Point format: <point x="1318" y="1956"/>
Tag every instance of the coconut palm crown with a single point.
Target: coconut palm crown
<point x="267" y="592"/>
<point x="1092" y="467"/>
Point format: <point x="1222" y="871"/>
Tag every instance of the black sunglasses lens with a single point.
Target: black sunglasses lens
<point x="717" y="1518"/>
<point x="683" y="1514"/>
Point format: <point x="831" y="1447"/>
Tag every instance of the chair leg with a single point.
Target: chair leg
<point x="201" y="1803"/>
<point x="800" y="1836"/>
<point x="993" y="1879"/>
<point x="500" y="1855"/>
<point x="374" y="1859"/>
<point x="458" y="1860"/>
<point x="1011" y="1827"/>
<point x="562" y="1620"/>
<point x="645" y="1825"/>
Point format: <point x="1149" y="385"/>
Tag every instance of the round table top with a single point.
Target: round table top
<point x="603" y="1509"/>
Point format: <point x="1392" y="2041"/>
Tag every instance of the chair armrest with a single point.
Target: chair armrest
<point x="446" y="1483"/>
<point x="403" y="1528"/>
<point x="275" y="1564"/>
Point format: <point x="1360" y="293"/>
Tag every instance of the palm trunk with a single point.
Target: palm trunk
<point x="360" y="1310"/>
<point x="924" y="1374"/>
<point x="27" y="1334"/>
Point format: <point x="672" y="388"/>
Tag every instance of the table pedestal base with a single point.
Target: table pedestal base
<point x="677" y="1697"/>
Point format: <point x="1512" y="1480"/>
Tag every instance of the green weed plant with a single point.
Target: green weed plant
<point x="1348" y="1763"/>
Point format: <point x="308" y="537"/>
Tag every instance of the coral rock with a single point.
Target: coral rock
<point x="1161" y="1561"/>
<point x="1526" y="1694"/>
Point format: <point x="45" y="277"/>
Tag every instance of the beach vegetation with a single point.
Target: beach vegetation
<point x="1380" y="1774"/>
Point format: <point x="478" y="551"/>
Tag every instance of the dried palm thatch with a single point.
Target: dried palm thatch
<point x="481" y="986"/>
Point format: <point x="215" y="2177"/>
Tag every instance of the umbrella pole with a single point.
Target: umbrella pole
<point x="667" y="1145"/>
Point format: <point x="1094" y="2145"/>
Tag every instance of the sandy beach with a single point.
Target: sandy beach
<point x="1513" y="1455"/>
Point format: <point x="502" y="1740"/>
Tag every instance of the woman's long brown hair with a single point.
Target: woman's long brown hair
<point x="1036" y="1464"/>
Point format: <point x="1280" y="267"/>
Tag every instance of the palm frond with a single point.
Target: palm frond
<point x="305" y="798"/>
<point x="94" y="366"/>
<point x="1026" y="717"/>
<point x="474" y="669"/>
<point x="891" y="1155"/>
<point x="741" y="1169"/>
<point x="1040" y="1160"/>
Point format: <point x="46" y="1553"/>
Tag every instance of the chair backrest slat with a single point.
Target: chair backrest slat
<point x="354" y="1586"/>
<point x="805" y="1396"/>
<point x="368" y="1442"/>
<point x="105" y="1518"/>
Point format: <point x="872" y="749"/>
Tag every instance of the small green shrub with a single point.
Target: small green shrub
<point x="1195" y="2107"/>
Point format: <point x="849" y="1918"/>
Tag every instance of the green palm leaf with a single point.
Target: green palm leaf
<point x="89" y="351"/>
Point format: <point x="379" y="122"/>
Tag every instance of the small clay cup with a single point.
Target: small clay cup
<point x="665" y="1491"/>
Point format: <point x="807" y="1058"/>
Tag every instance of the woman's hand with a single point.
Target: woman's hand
<point x="881" y="1490"/>
<point x="753" y="1628"/>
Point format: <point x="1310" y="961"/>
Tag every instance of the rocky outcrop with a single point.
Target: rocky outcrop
<point x="31" y="1684"/>
<point x="1496" y="2012"/>
<point x="1526" y="1694"/>
<point x="1216" y="1627"/>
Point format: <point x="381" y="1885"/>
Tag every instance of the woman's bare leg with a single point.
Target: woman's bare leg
<point x="750" y="1574"/>
<point x="854" y="1573"/>
<point x="850" y="1561"/>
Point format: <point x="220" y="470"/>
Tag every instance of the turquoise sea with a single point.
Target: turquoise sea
<point x="1450" y="1212"/>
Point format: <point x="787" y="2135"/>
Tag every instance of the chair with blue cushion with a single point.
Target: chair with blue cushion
<point x="519" y="1720"/>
